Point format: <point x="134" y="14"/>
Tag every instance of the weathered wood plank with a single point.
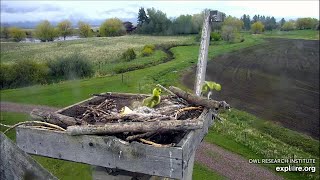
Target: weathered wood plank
<point x="103" y="151"/>
<point x="192" y="140"/>
<point x="16" y="164"/>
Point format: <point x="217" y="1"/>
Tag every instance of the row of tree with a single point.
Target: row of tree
<point x="155" y="22"/>
<point x="45" y="31"/>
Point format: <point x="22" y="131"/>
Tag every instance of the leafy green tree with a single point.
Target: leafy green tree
<point x="17" y="34"/>
<point x="112" y="27"/>
<point x="288" y="26"/>
<point x="182" y="25"/>
<point x="255" y="19"/>
<point x="306" y="23"/>
<point x="230" y="28"/>
<point x="158" y="23"/>
<point x="282" y="21"/>
<point x="246" y="21"/>
<point x="45" y="31"/>
<point x="257" y="27"/>
<point x="269" y="23"/>
<point x="84" y="29"/>
<point x="142" y="17"/>
<point x="197" y="21"/>
<point x="65" y="28"/>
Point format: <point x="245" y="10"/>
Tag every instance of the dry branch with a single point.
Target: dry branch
<point x="34" y="122"/>
<point x="186" y="109"/>
<point x="137" y="136"/>
<point x="155" y="144"/>
<point x="111" y="128"/>
<point x="199" y="101"/>
<point x="53" y="118"/>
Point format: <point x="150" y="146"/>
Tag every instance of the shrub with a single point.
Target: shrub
<point x="17" y="34"/>
<point x="112" y="27"/>
<point x="23" y="73"/>
<point x="197" y="38"/>
<point x="45" y="31"/>
<point x="229" y="34"/>
<point x="7" y="75"/>
<point x="147" y="51"/>
<point x="257" y="27"/>
<point x="288" y="26"/>
<point x="85" y="29"/>
<point x="215" y="36"/>
<point x="129" y="55"/>
<point x="151" y="46"/>
<point x="70" y="67"/>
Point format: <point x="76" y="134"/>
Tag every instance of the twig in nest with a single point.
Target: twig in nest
<point x="155" y="144"/>
<point x="167" y="90"/>
<point x="130" y="138"/>
<point x="43" y="127"/>
<point x="4" y="125"/>
<point x="35" y="122"/>
<point x="186" y="109"/>
<point x="173" y="94"/>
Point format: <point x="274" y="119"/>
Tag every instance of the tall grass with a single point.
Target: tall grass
<point x="96" y="49"/>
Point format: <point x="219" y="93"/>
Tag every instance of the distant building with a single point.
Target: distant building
<point x="129" y="27"/>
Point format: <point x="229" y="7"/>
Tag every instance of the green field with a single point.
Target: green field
<point x="242" y="133"/>
<point x="96" y="49"/>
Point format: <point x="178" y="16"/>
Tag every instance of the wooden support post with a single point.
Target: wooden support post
<point x="203" y="54"/>
<point x="16" y="164"/>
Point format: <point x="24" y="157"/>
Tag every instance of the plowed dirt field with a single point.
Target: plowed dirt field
<point x="277" y="80"/>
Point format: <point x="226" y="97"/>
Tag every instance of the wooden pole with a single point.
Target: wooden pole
<point x="203" y="54"/>
<point x="201" y="73"/>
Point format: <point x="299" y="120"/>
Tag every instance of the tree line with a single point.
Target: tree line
<point x="156" y="22"/>
<point x="45" y="31"/>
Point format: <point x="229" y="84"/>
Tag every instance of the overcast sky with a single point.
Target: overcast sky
<point x="15" y="11"/>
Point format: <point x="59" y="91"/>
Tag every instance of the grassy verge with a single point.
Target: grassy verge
<point x="253" y="138"/>
<point x="138" y="63"/>
<point x="297" y="34"/>
<point x="203" y="173"/>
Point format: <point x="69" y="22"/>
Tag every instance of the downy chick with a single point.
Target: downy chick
<point x="154" y="99"/>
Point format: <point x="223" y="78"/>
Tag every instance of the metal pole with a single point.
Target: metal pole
<point x="203" y="54"/>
